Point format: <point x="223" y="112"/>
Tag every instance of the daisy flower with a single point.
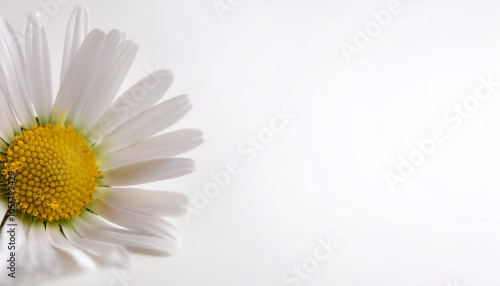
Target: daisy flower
<point x="67" y="163"/>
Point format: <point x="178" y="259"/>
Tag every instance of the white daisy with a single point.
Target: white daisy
<point x="66" y="163"/>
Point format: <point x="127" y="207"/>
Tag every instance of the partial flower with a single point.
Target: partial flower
<point x="68" y="164"/>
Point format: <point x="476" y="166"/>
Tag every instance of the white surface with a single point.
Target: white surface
<point x="324" y="173"/>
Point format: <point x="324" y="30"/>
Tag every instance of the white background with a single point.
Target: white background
<point x="323" y="175"/>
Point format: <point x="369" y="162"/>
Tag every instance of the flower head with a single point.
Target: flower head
<point x="67" y="162"/>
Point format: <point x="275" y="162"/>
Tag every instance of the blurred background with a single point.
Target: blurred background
<point x="346" y="142"/>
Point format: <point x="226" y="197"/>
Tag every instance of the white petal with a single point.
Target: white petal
<point x="78" y="28"/>
<point x="137" y="222"/>
<point x="3" y="210"/>
<point x="110" y="254"/>
<point x="38" y="254"/>
<point x="27" y="222"/>
<point x="39" y="261"/>
<point x="161" y="203"/>
<point x="98" y="221"/>
<point x="162" y="146"/>
<point x="6" y="131"/>
<point x="13" y="75"/>
<point x="41" y="258"/>
<point x="145" y="124"/>
<point x="58" y="241"/>
<point x="141" y="96"/>
<point x="38" y="73"/>
<point x="11" y="121"/>
<point x="108" y="82"/>
<point x="77" y="78"/>
<point x="141" y="243"/>
<point x="147" y="171"/>
<point x="112" y="41"/>
<point x="4" y="102"/>
<point x="137" y="242"/>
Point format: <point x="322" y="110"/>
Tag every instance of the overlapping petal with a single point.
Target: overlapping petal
<point x="77" y="31"/>
<point x="38" y="71"/>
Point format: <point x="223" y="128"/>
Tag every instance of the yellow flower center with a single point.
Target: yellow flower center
<point x="58" y="174"/>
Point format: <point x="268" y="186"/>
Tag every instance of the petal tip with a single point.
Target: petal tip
<point x="36" y="19"/>
<point x="81" y="8"/>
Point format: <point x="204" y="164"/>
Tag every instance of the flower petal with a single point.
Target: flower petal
<point x="147" y="171"/>
<point x="6" y="131"/>
<point x="106" y="86"/>
<point x="110" y="254"/>
<point x="3" y="211"/>
<point x="38" y="73"/>
<point x="76" y="80"/>
<point x="142" y="95"/>
<point x="138" y="242"/>
<point x="162" y="146"/>
<point x="13" y="75"/>
<point x="161" y="203"/>
<point x="59" y="242"/>
<point x="140" y="223"/>
<point x="112" y="41"/>
<point x="38" y="254"/>
<point x="10" y="119"/>
<point x="145" y="124"/>
<point x="133" y="241"/>
<point x="77" y="31"/>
